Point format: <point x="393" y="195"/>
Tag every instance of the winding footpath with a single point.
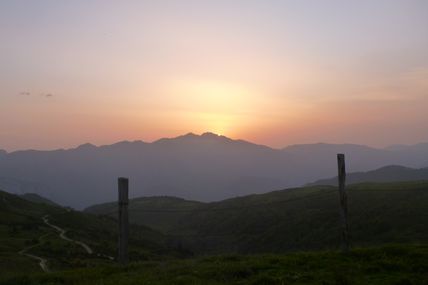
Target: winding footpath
<point x="42" y="261"/>
<point x="64" y="237"/>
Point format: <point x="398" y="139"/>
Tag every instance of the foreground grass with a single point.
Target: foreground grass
<point x="394" y="264"/>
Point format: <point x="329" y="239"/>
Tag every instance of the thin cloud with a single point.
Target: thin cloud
<point x="45" y="95"/>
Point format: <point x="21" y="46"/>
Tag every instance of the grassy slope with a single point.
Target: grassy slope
<point x="278" y="221"/>
<point x="392" y="265"/>
<point x="391" y="173"/>
<point x="152" y="206"/>
<point x="296" y="219"/>
<point x="21" y="226"/>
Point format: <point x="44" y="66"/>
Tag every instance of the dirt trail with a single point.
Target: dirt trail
<point x="64" y="237"/>
<point x="61" y="232"/>
<point x="43" y="262"/>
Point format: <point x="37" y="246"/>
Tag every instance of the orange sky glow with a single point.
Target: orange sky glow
<point x="271" y="72"/>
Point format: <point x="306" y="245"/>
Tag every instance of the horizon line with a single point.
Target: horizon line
<point x="208" y="133"/>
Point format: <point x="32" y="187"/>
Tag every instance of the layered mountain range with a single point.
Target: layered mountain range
<point x="203" y="167"/>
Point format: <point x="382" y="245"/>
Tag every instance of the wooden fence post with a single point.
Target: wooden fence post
<point x="123" y="221"/>
<point x="343" y="200"/>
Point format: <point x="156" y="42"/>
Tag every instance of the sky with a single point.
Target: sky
<point x="268" y="71"/>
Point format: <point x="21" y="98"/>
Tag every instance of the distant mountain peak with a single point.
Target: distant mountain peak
<point x="86" y="146"/>
<point x="127" y="143"/>
<point x="194" y="137"/>
<point x="217" y="137"/>
<point x="188" y="135"/>
<point x="203" y="135"/>
<point x="209" y="135"/>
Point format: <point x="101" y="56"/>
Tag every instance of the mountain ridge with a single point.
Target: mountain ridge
<point x="36" y="198"/>
<point x="205" y="167"/>
<point x="389" y="173"/>
<point x="211" y="135"/>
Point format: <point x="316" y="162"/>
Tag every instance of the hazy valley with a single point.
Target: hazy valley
<point x="204" y="168"/>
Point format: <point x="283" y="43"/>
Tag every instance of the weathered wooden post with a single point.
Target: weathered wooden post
<point x="343" y="200"/>
<point x="123" y="221"/>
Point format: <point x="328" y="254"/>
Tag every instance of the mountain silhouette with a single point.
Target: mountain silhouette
<point x="390" y="173"/>
<point x="205" y="167"/>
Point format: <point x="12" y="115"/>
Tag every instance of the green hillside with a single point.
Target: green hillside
<point x="390" y="173"/>
<point x="158" y="212"/>
<point x="35" y="198"/>
<point x="22" y="227"/>
<point x="388" y="227"/>
<point x="293" y="219"/>
<point x="388" y="265"/>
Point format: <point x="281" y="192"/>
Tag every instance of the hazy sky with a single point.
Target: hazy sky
<point x="273" y="72"/>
